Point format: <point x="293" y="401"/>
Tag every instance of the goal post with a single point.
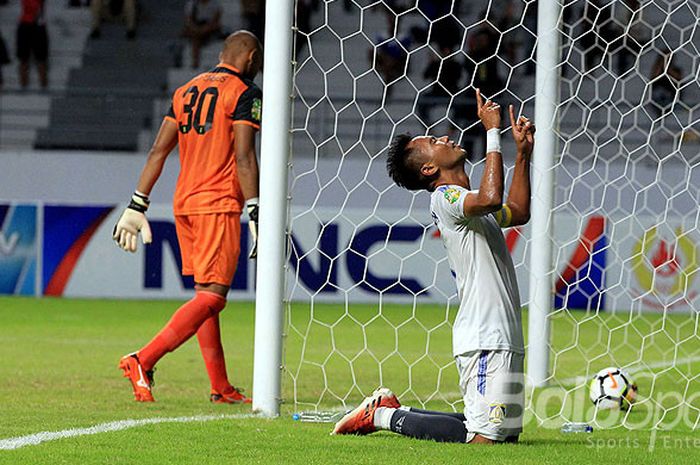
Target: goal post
<point x="274" y="158"/>
<point x="546" y="148"/>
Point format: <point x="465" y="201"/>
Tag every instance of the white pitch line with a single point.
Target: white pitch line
<point x="45" y="436"/>
<point x="636" y="368"/>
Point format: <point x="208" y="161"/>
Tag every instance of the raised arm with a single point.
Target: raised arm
<point x="518" y="201"/>
<point x="490" y="195"/>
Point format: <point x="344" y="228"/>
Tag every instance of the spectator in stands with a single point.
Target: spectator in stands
<point x="432" y="9"/>
<point x="446" y="30"/>
<point x="111" y="10"/>
<point x="482" y="62"/>
<point x="202" y="22"/>
<point x="444" y="73"/>
<point x="599" y="30"/>
<point x="629" y="31"/>
<point x="571" y="14"/>
<point x="32" y="40"/>
<point x="447" y="33"/>
<point x="390" y="58"/>
<point x="506" y="21"/>
<point x="482" y="69"/>
<point x="665" y="77"/>
<point x="465" y="119"/>
<point x="389" y="54"/>
<point x="254" y="17"/>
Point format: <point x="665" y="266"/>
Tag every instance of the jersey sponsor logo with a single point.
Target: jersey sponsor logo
<point x="452" y="194"/>
<point x="256" y="109"/>
<point x="497" y="412"/>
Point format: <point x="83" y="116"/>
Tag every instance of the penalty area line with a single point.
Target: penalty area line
<point x="119" y="425"/>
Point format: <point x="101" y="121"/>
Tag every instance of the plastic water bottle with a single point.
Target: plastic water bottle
<point x="571" y="427"/>
<point x="319" y="416"/>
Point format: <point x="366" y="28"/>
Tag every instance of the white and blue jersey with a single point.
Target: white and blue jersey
<point x="489" y="309"/>
<point x="487" y="334"/>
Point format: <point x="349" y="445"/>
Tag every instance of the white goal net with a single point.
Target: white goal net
<point x="370" y="295"/>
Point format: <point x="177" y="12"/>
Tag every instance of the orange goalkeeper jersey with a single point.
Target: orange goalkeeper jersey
<point x="205" y="110"/>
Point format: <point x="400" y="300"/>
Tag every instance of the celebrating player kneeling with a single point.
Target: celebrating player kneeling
<point x="487" y="332"/>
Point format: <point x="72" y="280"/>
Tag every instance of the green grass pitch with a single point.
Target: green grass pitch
<point x="58" y="371"/>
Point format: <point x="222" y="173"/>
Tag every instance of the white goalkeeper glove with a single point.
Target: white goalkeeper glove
<point x="132" y="222"/>
<point x="251" y="207"/>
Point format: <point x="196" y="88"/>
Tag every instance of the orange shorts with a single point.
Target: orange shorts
<point x="209" y="245"/>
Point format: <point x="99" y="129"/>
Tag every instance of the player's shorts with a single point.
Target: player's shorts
<point x="209" y="246"/>
<point x="32" y="39"/>
<point x="493" y="387"/>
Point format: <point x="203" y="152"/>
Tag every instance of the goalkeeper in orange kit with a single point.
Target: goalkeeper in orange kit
<point x="213" y="120"/>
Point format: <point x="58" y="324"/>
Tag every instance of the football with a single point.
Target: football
<point x="613" y="388"/>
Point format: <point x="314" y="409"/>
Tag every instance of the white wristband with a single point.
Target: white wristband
<point x="493" y="140"/>
<point x="251" y="202"/>
<point x="140" y="199"/>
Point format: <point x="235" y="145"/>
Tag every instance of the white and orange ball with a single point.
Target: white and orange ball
<point x="613" y="388"/>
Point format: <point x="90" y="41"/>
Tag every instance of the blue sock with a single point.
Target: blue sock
<point x="440" y="428"/>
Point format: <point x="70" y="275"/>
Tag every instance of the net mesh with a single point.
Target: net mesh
<point x="371" y="298"/>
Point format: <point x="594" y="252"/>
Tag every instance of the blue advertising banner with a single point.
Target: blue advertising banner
<point x="18" y="249"/>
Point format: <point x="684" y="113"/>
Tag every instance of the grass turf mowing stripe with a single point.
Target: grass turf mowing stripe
<point x="45" y="436"/>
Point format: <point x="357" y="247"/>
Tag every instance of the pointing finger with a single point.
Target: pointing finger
<point x="479" y="101"/>
<point x="512" y="116"/>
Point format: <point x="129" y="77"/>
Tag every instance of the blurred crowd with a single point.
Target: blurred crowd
<point x="201" y="24"/>
<point x="31" y="45"/>
<point x="488" y="56"/>
<point x="495" y="55"/>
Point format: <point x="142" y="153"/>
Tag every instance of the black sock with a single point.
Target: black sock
<point x="440" y="428"/>
<point x="459" y="416"/>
